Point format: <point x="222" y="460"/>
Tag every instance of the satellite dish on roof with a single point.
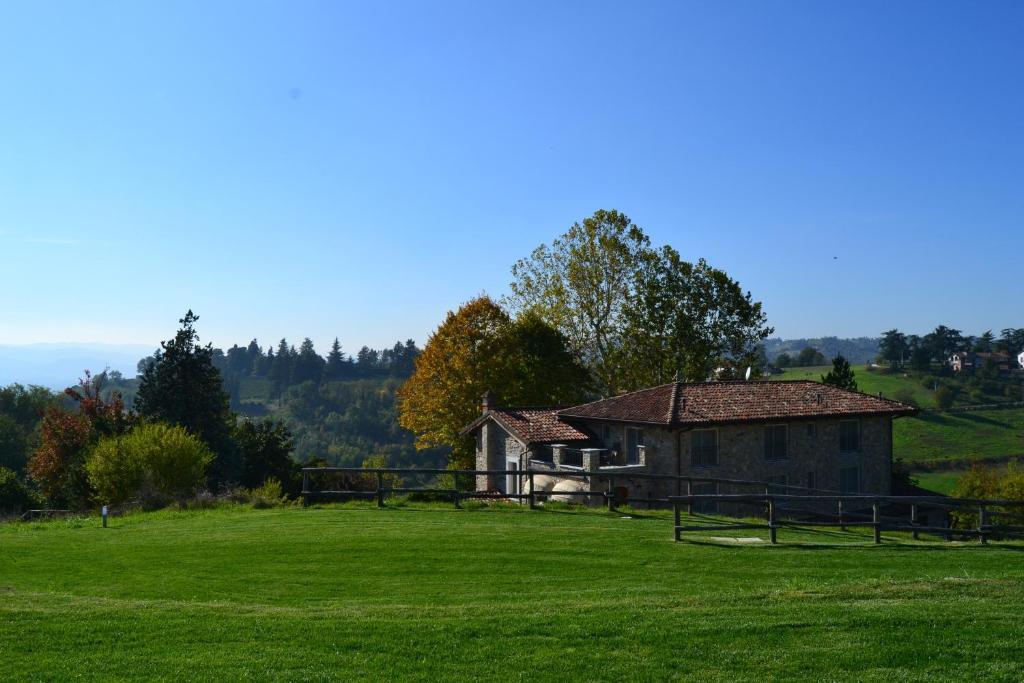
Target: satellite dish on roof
<point x="748" y="373"/>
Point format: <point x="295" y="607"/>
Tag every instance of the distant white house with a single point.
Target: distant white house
<point x="1020" y="359"/>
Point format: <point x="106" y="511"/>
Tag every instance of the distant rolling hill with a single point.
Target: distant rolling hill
<point x="61" y="365"/>
<point x="857" y="350"/>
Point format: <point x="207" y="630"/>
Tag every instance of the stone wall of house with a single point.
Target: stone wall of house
<point x="495" y="447"/>
<point x="813" y="452"/>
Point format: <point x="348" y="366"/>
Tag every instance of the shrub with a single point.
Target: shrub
<point x="905" y="395"/>
<point x="15" y="496"/>
<point x="266" y="448"/>
<point x="153" y="463"/>
<point x="268" y="495"/>
<point x="944" y="397"/>
<point x="987" y="482"/>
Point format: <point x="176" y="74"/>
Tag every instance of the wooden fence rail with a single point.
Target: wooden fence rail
<point x="879" y="523"/>
<point x="851" y="510"/>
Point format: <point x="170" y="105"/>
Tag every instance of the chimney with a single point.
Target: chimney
<point x="488" y="401"/>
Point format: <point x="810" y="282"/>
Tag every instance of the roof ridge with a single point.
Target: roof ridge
<point x="673" y="403"/>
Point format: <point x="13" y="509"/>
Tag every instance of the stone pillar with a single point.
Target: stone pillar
<point x="556" y="454"/>
<point x="591" y="463"/>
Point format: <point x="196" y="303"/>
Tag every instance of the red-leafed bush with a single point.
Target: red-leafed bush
<point x="58" y="464"/>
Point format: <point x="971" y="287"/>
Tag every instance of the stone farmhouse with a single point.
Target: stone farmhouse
<point x="798" y="433"/>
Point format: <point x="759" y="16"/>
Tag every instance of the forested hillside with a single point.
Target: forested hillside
<point x="856" y="350"/>
<point x="340" y="408"/>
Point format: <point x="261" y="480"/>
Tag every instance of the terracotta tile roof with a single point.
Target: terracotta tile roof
<point x="533" y="425"/>
<point x="680" y="404"/>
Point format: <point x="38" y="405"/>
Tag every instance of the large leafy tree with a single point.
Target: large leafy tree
<point x="1011" y="340"/>
<point x="580" y="285"/>
<point x="942" y="342"/>
<point x="893" y="348"/>
<point x="476" y="349"/>
<point x="183" y="387"/>
<point x="634" y="315"/>
<point x="684" y="319"/>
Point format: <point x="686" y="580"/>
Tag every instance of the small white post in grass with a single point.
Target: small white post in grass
<point x="104" y="516"/>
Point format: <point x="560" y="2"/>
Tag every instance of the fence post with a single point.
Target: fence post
<point x="772" y="531"/>
<point x="611" y="494"/>
<point x="533" y="496"/>
<point x="982" y="523"/>
<point x="675" y="510"/>
<point x="842" y="525"/>
<point x="380" y="489"/>
<point x="305" y="488"/>
<point x="689" y="492"/>
<point x="913" y="519"/>
<point x="875" y="521"/>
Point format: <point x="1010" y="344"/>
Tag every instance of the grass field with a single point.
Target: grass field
<point x="493" y="594"/>
<point x="940" y="482"/>
<point x="868" y="382"/>
<point x="959" y="436"/>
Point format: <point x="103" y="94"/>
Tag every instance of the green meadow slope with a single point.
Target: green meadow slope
<point x="493" y="594"/>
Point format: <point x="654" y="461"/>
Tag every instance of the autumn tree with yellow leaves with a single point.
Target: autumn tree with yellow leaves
<point x="524" y="362"/>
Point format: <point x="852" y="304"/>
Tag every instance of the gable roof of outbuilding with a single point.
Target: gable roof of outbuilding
<point x="533" y="425"/>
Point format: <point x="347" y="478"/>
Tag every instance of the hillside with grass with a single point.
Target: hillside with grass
<point x="442" y="594"/>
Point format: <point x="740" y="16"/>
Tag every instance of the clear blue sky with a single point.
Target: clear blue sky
<point x="321" y="169"/>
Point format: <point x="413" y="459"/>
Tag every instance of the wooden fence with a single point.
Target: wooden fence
<point x="379" y="482"/>
<point x="810" y="508"/>
<point x="849" y="514"/>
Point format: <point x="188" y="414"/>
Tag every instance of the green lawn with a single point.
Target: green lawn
<point x="940" y="482"/>
<point x="868" y="382"/>
<point x="494" y="594"/>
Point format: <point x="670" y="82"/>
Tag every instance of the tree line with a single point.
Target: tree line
<point x="920" y="352"/>
<point x="288" y="366"/>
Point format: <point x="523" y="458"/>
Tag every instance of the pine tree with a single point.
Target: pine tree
<point x="184" y="388"/>
<point x="254" y="356"/>
<point x="281" y="369"/>
<point x="841" y="375"/>
<point x="335" y="368"/>
<point x="309" y="366"/>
